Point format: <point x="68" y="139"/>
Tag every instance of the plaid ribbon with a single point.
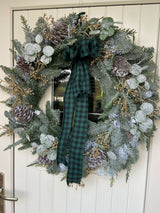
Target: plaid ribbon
<point x="75" y="116"/>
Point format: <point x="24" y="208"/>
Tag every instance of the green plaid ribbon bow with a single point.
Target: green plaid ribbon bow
<point x="75" y="116"/>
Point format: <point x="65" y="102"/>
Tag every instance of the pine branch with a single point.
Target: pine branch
<point x="14" y="53"/>
<point x="5" y="89"/>
<point x="25" y="25"/>
<point x="50" y="72"/>
<point x="109" y="103"/>
<point x="102" y="75"/>
<point x="40" y="24"/>
<point x="63" y="45"/>
<point x="18" y="46"/>
<point x="11" y="71"/>
<point x="42" y="90"/>
<point x="14" y="144"/>
<point x="33" y="164"/>
<point x="69" y="19"/>
<point x="53" y="168"/>
<point x="4" y="133"/>
<point x="25" y="146"/>
<point x="27" y="30"/>
<point x="37" y="93"/>
<point x="97" y="128"/>
<point x="128" y="171"/>
<point x="48" y="111"/>
<point x="130" y="33"/>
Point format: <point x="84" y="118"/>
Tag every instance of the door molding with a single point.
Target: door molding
<point x="85" y="4"/>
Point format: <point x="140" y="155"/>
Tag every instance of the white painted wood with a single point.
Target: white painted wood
<point x="132" y="19"/>
<point x="152" y="203"/>
<point x="6" y="158"/>
<point x="60" y="195"/>
<point x="119" y="194"/>
<point x="104" y="194"/>
<point x="149" y="31"/>
<point x="74" y="196"/>
<point x="21" y="157"/>
<point x="153" y="187"/>
<point x="119" y="197"/>
<point x="97" y="12"/>
<point x="136" y="190"/>
<point x="38" y="191"/>
<point x="74" y="3"/>
<point x="46" y="192"/>
<point x="115" y="12"/>
<point x="89" y="196"/>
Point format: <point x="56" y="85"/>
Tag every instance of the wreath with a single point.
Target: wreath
<point x="125" y="106"/>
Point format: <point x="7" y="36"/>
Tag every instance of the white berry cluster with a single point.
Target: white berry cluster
<point x="31" y="50"/>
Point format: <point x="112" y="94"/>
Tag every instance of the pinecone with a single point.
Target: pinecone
<point x="96" y="158"/>
<point x="121" y="67"/>
<point x="23" y="113"/>
<point x="128" y="135"/>
<point x="43" y="160"/>
<point x="23" y="65"/>
<point x="58" y="33"/>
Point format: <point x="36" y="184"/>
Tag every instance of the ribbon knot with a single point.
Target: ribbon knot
<point x="80" y="54"/>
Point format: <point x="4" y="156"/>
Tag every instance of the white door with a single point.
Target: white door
<point x="40" y="192"/>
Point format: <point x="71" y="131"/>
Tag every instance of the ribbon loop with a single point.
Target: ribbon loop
<point x="79" y="54"/>
<point x="81" y="50"/>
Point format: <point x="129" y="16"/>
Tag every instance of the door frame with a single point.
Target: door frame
<point x="81" y="5"/>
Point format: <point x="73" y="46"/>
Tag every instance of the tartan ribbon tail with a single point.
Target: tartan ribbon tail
<point x="75" y="116"/>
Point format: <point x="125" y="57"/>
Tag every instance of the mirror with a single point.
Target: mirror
<point x="95" y="98"/>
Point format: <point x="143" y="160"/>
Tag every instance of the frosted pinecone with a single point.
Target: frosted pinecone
<point x="96" y="158"/>
<point x="24" y="65"/>
<point x="43" y="160"/>
<point x="121" y="67"/>
<point x="58" y="33"/>
<point x="89" y="144"/>
<point x="128" y="135"/>
<point x="23" y="113"/>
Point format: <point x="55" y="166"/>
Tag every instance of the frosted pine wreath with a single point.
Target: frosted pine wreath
<point x="126" y="105"/>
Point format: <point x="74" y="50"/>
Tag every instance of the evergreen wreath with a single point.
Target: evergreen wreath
<point x="129" y="93"/>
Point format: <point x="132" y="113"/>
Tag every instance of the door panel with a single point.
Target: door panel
<point x="39" y="191"/>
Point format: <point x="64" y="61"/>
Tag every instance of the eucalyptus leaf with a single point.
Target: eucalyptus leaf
<point x="52" y="154"/>
<point x="147" y="108"/>
<point x="110" y="31"/>
<point x="19" y="130"/>
<point x="112" y="155"/>
<point x="141" y="78"/>
<point x="140" y="116"/>
<point x="147" y="85"/>
<point x="94" y="32"/>
<point x="132" y="83"/>
<point x="107" y="20"/>
<point x="146" y="126"/>
<point x="118" y="22"/>
<point x="135" y="69"/>
<point x="92" y="20"/>
<point x="108" y="64"/>
<point x="40" y="149"/>
<point x="103" y="35"/>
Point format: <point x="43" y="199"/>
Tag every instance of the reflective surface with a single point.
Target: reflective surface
<point x="95" y="98"/>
